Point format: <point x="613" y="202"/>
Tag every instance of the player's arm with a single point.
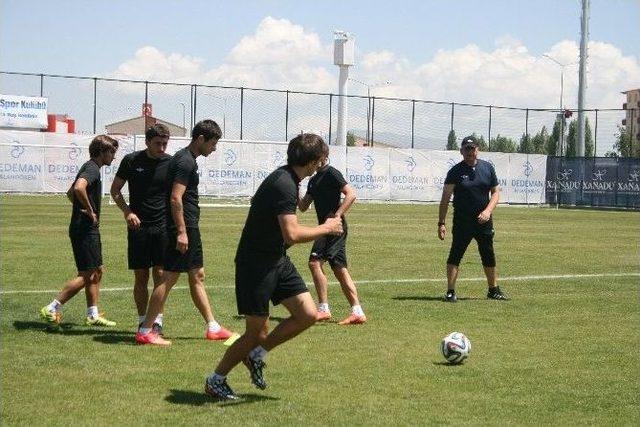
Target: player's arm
<point x="349" y="198"/>
<point x="305" y="202"/>
<point x="70" y="195"/>
<point x="447" y="191"/>
<point x="116" y="194"/>
<point x="293" y="232"/>
<point x="177" y="213"/>
<point x="80" y="193"/>
<point x="485" y="215"/>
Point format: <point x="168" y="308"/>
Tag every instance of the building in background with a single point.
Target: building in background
<point x="138" y="125"/>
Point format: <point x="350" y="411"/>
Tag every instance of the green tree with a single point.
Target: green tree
<point x="351" y="139"/>
<point x="482" y="144"/>
<point x="588" y="139"/>
<point x="539" y="141"/>
<point x="526" y="144"/>
<point x="622" y="144"/>
<point x="572" y="139"/>
<point x="451" y="141"/>
<point x="503" y="144"/>
<point x="554" y="139"/>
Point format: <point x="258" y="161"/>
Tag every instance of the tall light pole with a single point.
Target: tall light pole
<point x="561" y="97"/>
<point x="369" y="87"/>
<point x="184" y="109"/>
<point x="343" y="57"/>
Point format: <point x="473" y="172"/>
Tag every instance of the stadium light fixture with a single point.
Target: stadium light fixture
<point x="562" y="66"/>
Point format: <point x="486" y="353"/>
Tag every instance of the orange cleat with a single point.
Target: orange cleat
<point x="323" y="315"/>
<point x="221" y="335"/>
<point x="354" y="319"/>
<point x="151" y="338"/>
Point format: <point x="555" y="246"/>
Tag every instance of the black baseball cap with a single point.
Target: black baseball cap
<point x="469" y="140"/>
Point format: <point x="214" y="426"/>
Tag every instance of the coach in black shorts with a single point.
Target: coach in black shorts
<point x="85" y="194"/>
<point x="146" y="173"/>
<point x="184" y="248"/>
<point x="470" y="182"/>
<point x="324" y="191"/>
<point x="265" y="273"/>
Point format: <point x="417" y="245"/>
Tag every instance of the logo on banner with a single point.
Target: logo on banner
<point x="597" y="175"/>
<point x="634" y="176"/>
<point x="411" y="163"/>
<point x="74" y="152"/>
<point x="230" y="157"/>
<point x="528" y="169"/>
<point x="17" y="150"/>
<point x="369" y="162"/>
<point x="565" y="174"/>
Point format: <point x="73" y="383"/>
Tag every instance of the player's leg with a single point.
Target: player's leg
<point x="201" y="301"/>
<point x="488" y="257"/>
<point x="461" y="239"/>
<point x="158" y="298"/>
<point x="52" y="312"/>
<point x="349" y="290"/>
<point x="92" y="293"/>
<point x="141" y="291"/>
<point x="255" y="333"/>
<point x="321" y="284"/>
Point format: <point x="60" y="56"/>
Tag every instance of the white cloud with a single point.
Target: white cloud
<point x="149" y="63"/>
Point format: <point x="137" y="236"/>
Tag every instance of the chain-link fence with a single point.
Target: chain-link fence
<point x="261" y="114"/>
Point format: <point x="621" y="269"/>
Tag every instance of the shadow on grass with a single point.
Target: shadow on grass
<point x="448" y="365"/>
<point x="187" y="397"/>
<point x="429" y="298"/>
<point x="272" y="318"/>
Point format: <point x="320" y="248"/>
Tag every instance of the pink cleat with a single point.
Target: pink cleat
<point x="151" y="338"/>
<point x="221" y="335"/>
<point x="354" y="319"/>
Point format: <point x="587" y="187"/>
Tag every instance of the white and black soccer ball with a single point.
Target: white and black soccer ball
<point x="455" y="347"/>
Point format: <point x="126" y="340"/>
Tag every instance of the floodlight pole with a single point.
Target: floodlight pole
<point x="343" y="57"/>
<point x="561" y="142"/>
<point x="582" y="76"/>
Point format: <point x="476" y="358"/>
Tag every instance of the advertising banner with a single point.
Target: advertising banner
<point x="23" y="111"/>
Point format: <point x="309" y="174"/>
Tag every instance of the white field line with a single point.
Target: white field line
<point x="372" y="282"/>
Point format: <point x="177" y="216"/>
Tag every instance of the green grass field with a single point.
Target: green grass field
<point x="562" y="352"/>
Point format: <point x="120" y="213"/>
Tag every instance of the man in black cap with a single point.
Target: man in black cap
<point x="470" y="181"/>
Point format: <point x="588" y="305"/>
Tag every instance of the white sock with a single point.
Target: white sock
<point x="214" y="326"/>
<point x="141" y="319"/>
<point x="54" y="306"/>
<point x="258" y="353"/>
<point x="92" y="311"/>
<point x="159" y="319"/>
<point x="144" y="331"/>
<point x="357" y="310"/>
<point x="323" y="306"/>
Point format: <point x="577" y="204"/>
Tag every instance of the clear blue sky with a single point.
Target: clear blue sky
<point x="93" y="37"/>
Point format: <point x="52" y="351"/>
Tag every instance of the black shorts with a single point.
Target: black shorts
<point x="332" y="249"/>
<point x="258" y="281"/>
<point x="147" y="246"/>
<point x="87" y="251"/>
<point x="465" y="231"/>
<point x="193" y="258"/>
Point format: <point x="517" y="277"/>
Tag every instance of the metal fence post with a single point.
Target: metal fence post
<point x="330" y="115"/>
<point x="195" y="104"/>
<point x="286" y="119"/>
<point x="595" y="136"/>
<point x="526" y="123"/>
<point x="413" y="121"/>
<point x="452" y="114"/>
<point x="95" y="103"/>
<point x="490" y="108"/>
<point x="241" y="109"/>
<point x="373" y="115"/>
<point x="41" y="84"/>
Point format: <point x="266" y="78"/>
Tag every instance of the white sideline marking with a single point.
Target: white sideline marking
<point x="358" y="282"/>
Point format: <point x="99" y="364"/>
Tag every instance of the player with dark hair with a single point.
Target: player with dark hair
<point x="470" y="182"/>
<point x="264" y="272"/>
<point x="324" y="190"/>
<point x="184" y="248"/>
<point x="85" y="195"/>
<point x="146" y="173"/>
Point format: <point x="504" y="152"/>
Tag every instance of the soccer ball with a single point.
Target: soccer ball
<point x="455" y="347"/>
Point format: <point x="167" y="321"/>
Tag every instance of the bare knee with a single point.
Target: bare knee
<point x="315" y="265"/>
<point x="196" y="278"/>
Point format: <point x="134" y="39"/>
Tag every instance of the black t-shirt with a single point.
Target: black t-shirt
<point x="81" y="223"/>
<point x="184" y="170"/>
<point x="147" y="178"/>
<point x="325" y="188"/>
<point x="277" y="195"/>
<point x="472" y="187"/>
